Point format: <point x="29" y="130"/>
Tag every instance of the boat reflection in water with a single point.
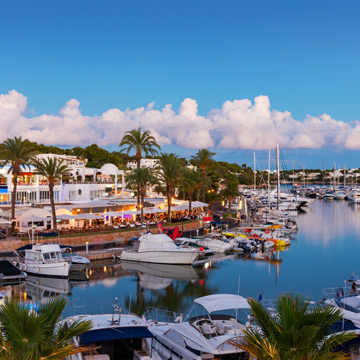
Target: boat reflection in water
<point x="159" y="276"/>
<point x="162" y="285"/>
<point x="42" y="289"/>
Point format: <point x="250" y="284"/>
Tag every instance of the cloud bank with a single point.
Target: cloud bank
<point x="239" y="124"/>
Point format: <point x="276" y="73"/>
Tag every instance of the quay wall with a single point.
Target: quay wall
<point x="93" y="238"/>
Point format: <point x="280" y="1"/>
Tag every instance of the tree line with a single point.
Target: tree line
<point x="209" y="181"/>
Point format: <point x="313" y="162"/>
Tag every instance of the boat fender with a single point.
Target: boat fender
<point x="267" y="231"/>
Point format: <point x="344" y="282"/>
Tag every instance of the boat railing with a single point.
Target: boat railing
<point x="79" y="306"/>
<point x="157" y="315"/>
<point x="337" y="292"/>
<point x="355" y="276"/>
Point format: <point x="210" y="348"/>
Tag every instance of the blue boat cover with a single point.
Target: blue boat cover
<point x="118" y="333"/>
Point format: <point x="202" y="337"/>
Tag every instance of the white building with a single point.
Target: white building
<point x="79" y="184"/>
<point x="148" y="163"/>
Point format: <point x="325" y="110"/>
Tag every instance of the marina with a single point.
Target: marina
<point x="322" y="254"/>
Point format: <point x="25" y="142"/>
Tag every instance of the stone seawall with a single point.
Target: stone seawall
<point x="12" y="244"/>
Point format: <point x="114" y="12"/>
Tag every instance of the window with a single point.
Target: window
<point x="46" y="256"/>
<point x="79" y="192"/>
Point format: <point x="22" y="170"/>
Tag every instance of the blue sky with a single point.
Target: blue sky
<point x="302" y="55"/>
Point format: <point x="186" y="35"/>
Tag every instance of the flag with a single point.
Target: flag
<point x="260" y="298"/>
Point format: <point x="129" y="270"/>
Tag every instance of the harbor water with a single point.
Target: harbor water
<point x="324" y="252"/>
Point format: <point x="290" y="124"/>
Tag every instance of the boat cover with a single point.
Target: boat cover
<point x="219" y="302"/>
<point x="117" y="333"/>
<point x="8" y="269"/>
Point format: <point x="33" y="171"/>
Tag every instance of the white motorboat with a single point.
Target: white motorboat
<point x="193" y="243"/>
<point x="43" y="260"/>
<point x="77" y="262"/>
<point x="214" y="242"/>
<point x="347" y="301"/>
<point x="354" y="196"/>
<point x="116" y="336"/>
<point x="328" y="197"/>
<point x="340" y="195"/>
<point x="203" y="336"/>
<point x="158" y="248"/>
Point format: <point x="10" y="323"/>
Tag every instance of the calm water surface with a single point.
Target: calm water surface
<point x="323" y="254"/>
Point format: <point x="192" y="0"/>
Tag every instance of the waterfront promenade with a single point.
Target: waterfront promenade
<point x="100" y="239"/>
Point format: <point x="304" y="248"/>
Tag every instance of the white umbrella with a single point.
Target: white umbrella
<point x="180" y="207"/>
<point x="127" y="212"/>
<point x="198" y="204"/>
<point x="36" y="218"/>
<point x="111" y="214"/>
<point x="3" y="221"/>
<point x="65" y="217"/>
<point x="87" y="217"/>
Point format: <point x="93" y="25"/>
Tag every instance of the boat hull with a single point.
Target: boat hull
<point x="56" y="270"/>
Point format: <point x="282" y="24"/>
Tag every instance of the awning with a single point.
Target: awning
<point x="111" y="214"/>
<point x="221" y="302"/>
<point x="3" y="221"/>
<point x="35" y="219"/>
<point x="118" y="333"/>
<point x="65" y="217"/>
<point x="87" y="217"/>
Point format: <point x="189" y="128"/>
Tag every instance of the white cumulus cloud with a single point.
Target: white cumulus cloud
<point x="238" y="124"/>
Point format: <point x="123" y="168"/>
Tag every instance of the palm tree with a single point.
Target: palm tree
<point x="53" y="169"/>
<point x="212" y="197"/>
<point x="16" y="152"/>
<point x="141" y="178"/>
<point x="293" y="331"/>
<point x="189" y="182"/>
<point x="231" y="189"/>
<point x="141" y="142"/>
<point x="170" y="171"/>
<point x="203" y="159"/>
<point x="27" y="335"/>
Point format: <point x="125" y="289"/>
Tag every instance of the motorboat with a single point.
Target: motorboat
<point x="214" y="242"/>
<point x="158" y="248"/>
<point x="346" y="301"/>
<point x="328" y="197"/>
<point x="9" y="274"/>
<point x="340" y="195"/>
<point x="77" y="263"/>
<point x="43" y="260"/>
<point x="184" y="242"/>
<point x="206" y="336"/>
<point x="354" y="196"/>
<point x="116" y="335"/>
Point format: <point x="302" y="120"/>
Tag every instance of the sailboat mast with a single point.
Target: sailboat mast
<point x="278" y="176"/>
<point x="344" y="175"/>
<point x="269" y="179"/>
<point x="254" y="172"/>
